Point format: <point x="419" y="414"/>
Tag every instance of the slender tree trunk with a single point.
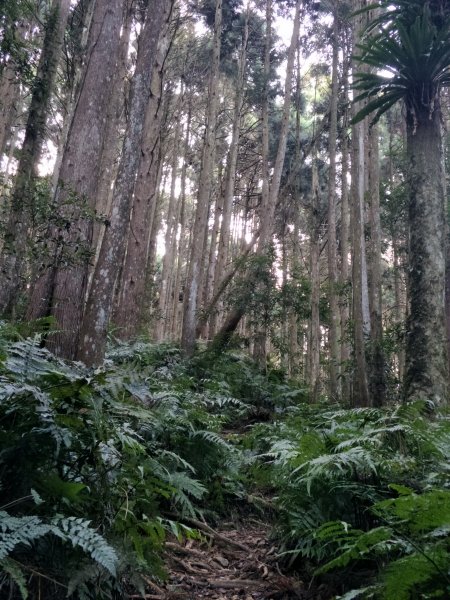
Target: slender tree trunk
<point x="377" y="375"/>
<point x="60" y="290"/>
<point x="399" y="303"/>
<point x="314" y="324"/>
<point x="101" y="296"/>
<point x="426" y="348"/>
<point x="361" y="318"/>
<point x="12" y="261"/>
<point x="171" y="231"/>
<point x="201" y="218"/>
<point x="230" y="176"/>
<point x="181" y="249"/>
<point x="332" y="246"/>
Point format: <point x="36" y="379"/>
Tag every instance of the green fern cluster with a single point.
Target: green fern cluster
<point x="363" y="492"/>
<point x="91" y="463"/>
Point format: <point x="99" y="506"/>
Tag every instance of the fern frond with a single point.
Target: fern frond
<point x="80" y="533"/>
<point x="406" y="575"/>
<point x="20" y="530"/>
<point x="16" y="574"/>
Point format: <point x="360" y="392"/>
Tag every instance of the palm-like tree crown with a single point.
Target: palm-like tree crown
<point x="408" y="50"/>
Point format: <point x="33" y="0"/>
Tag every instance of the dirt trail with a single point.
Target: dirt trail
<point x="228" y="564"/>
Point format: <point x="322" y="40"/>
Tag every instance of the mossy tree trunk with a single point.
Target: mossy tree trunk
<point x="426" y="347"/>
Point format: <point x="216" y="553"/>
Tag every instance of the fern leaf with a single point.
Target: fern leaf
<point x="11" y="568"/>
<point x="19" y="530"/>
<point x="404" y="576"/>
<point x="79" y="533"/>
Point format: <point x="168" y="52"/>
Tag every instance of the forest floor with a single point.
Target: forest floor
<point x="235" y="562"/>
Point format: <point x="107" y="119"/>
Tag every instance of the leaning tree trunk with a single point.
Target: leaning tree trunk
<point x="12" y="261"/>
<point x="100" y="301"/>
<point x="426" y="354"/>
<point x="232" y="321"/>
<point x="60" y="289"/>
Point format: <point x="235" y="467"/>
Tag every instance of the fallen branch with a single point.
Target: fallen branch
<point x="234" y="583"/>
<point x="211" y="532"/>
<point x="218" y="536"/>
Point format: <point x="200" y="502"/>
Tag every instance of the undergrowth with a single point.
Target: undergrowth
<point x="98" y="467"/>
<point x="363" y="497"/>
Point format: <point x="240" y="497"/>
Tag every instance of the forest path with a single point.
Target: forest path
<point x="235" y="562"/>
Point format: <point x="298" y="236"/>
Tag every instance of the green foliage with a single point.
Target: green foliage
<point x="98" y="467"/>
<point x="363" y="490"/>
<point x="413" y="47"/>
<point x="97" y="463"/>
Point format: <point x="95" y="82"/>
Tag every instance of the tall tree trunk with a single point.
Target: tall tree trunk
<point x="361" y="322"/>
<point x="201" y="218"/>
<point x="111" y="145"/>
<point x="314" y="323"/>
<point x="260" y="334"/>
<point x="9" y="94"/>
<point x="129" y="312"/>
<point x="377" y="366"/>
<point x="332" y="246"/>
<point x="100" y="300"/>
<point x="12" y="261"/>
<point x="60" y="290"/>
<point x="345" y="246"/>
<point x="181" y="248"/>
<point x="426" y="347"/>
<point x="230" y="175"/>
<point x="361" y="317"/>
<point x="171" y="230"/>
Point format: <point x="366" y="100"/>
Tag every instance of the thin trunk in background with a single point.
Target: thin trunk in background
<point x="361" y="318"/>
<point x="180" y="250"/>
<point x="171" y="225"/>
<point x="191" y="292"/>
<point x="232" y="320"/>
<point x="230" y="174"/>
<point x="345" y="245"/>
<point x="313" y="353"/>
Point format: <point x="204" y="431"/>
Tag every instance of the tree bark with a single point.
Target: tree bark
<point x="377" y="361"/>
<point x="333" y="337"/>
<point x="129" y="312"/>
<point x="100" y="301"/>
<point x="60" y="290"/>
<point x="426" y="354"/>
